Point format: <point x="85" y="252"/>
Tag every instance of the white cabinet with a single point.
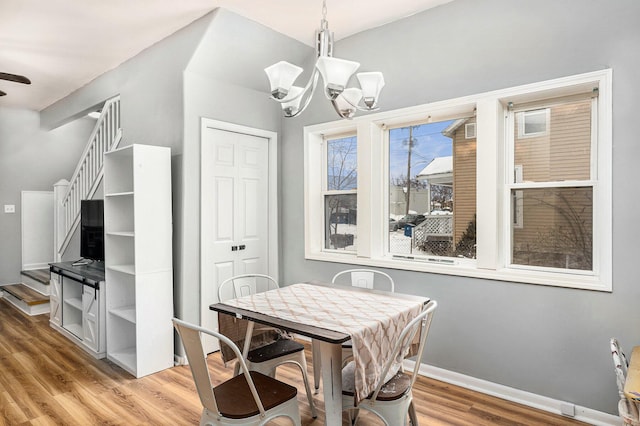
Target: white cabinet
<point x="138" y="258"/>
<point x="78" y="310"/>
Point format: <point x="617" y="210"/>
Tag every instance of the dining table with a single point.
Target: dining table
<point x="330" y="315"/>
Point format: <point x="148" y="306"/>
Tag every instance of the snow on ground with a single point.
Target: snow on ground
<point x="398" y="243"/>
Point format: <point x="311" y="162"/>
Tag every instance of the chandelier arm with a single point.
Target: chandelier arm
<point x="357" y="107"/>
<point x="314" y="79"/>
<point x="335" y="106"/>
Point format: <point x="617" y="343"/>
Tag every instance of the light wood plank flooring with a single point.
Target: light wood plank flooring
<point x="47" y="380"/>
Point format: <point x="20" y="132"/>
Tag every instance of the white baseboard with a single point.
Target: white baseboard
<point x="529" y="399"/>
<point x="179" y="360"/>
<point x="32" y="266"/>
<point x="518" y="396"/>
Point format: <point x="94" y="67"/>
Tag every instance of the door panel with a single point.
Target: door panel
<point x="54" y="299"/>
<point x="90" y="318"/>
<point x="234" y="218"/>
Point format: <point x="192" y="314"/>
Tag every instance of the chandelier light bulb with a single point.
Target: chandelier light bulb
<point x="371" y="84"/>
<point x="281" y="77"/>
<point x="335" y="74"/>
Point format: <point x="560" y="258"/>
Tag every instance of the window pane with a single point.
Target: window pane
<point x="561" y="152"/>
<point x="556" y="229"/>
<point x="340" y="221"/>
<point x="432" y="192"/>
<point x="342" y="164"/>
<point x="534" y="122"/>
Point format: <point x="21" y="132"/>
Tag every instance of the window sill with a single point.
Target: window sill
<point x="554" y="279"/>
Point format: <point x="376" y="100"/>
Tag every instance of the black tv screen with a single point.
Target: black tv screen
<point x="92" y="229"/>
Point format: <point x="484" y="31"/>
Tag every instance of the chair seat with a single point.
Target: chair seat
<point x="394" y="389"/>
<point x="274" y="350"/>
<point x="234" y="397"/>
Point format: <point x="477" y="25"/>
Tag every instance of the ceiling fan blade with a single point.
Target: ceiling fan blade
<point x="2" y="93"/>
<point x="14" y="77"/>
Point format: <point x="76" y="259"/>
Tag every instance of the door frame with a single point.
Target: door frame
<point x="272" y="230"/>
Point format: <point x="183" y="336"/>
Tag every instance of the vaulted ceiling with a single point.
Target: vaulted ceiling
<point x="61" y="45"/>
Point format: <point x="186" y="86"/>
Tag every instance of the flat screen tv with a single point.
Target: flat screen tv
<point x="92" y="229"/>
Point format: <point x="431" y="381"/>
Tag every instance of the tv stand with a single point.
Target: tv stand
<point x="78" y="304"/>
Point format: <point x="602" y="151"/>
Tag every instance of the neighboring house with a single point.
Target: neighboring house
<point x="553" y="225"/>
<point x="458" y="172"/>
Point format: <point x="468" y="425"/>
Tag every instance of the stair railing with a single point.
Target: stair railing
<point x="105" y="136"/>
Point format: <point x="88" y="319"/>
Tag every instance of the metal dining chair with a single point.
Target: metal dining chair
<point x="265" y="359"/>
<point x="248" y="399"/>
<point x="363" y="278"/>
<point x="627" y="409"/>
<point x="392" y="398"/>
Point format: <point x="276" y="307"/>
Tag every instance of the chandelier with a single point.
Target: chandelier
<point x="336" y="74"/>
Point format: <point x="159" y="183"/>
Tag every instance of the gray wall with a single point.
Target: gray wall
<point x="31" y="160"/>
<point x="151" y="90"/>
<point x="222" y="82"/>
<point x="549" y="341"/>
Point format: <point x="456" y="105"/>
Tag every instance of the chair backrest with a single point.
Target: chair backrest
<point x="620" y="365"/>
<point x="244" y="285"/>
<point x="419" y="324"/>
<point x="366" y="278"/>
<point x="191" y="339"/>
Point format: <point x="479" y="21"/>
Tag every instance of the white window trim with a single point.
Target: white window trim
<point x="494" y="218"/>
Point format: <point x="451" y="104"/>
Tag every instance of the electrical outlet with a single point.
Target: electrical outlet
<point x="568" y="409"/>
<point x="9" y="208"/>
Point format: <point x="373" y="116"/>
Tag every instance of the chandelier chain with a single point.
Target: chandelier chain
<point x="324" y="24"/>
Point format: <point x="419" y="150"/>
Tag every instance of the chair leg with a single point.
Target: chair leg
<point x="412" y="414"/>
<point x="315" y="359"/>
<point x="353" y="415"/>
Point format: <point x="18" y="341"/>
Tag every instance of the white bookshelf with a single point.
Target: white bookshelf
<point x="138" y="258"/>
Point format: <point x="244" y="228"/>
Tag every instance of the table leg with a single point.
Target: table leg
<point x="331" y="359"/>
<point x="247" y="345"/>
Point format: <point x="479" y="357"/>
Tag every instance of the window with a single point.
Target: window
<point x="533" y="122"/>
<point x="432" y="196"/>
<point x="511" y="185"/>
<point x="340" y="196"/>
<point x="553" y="186"/>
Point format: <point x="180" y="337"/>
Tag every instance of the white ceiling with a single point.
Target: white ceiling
<point x="61" y="45"/>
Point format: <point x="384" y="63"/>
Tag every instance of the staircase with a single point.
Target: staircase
<point x="87" y="177"/>
<point x="31" y="296"/>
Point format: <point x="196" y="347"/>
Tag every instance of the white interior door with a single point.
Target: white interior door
<point x="234" y="213"/>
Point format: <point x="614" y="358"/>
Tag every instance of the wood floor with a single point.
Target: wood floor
<point x="47" y="380"/>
